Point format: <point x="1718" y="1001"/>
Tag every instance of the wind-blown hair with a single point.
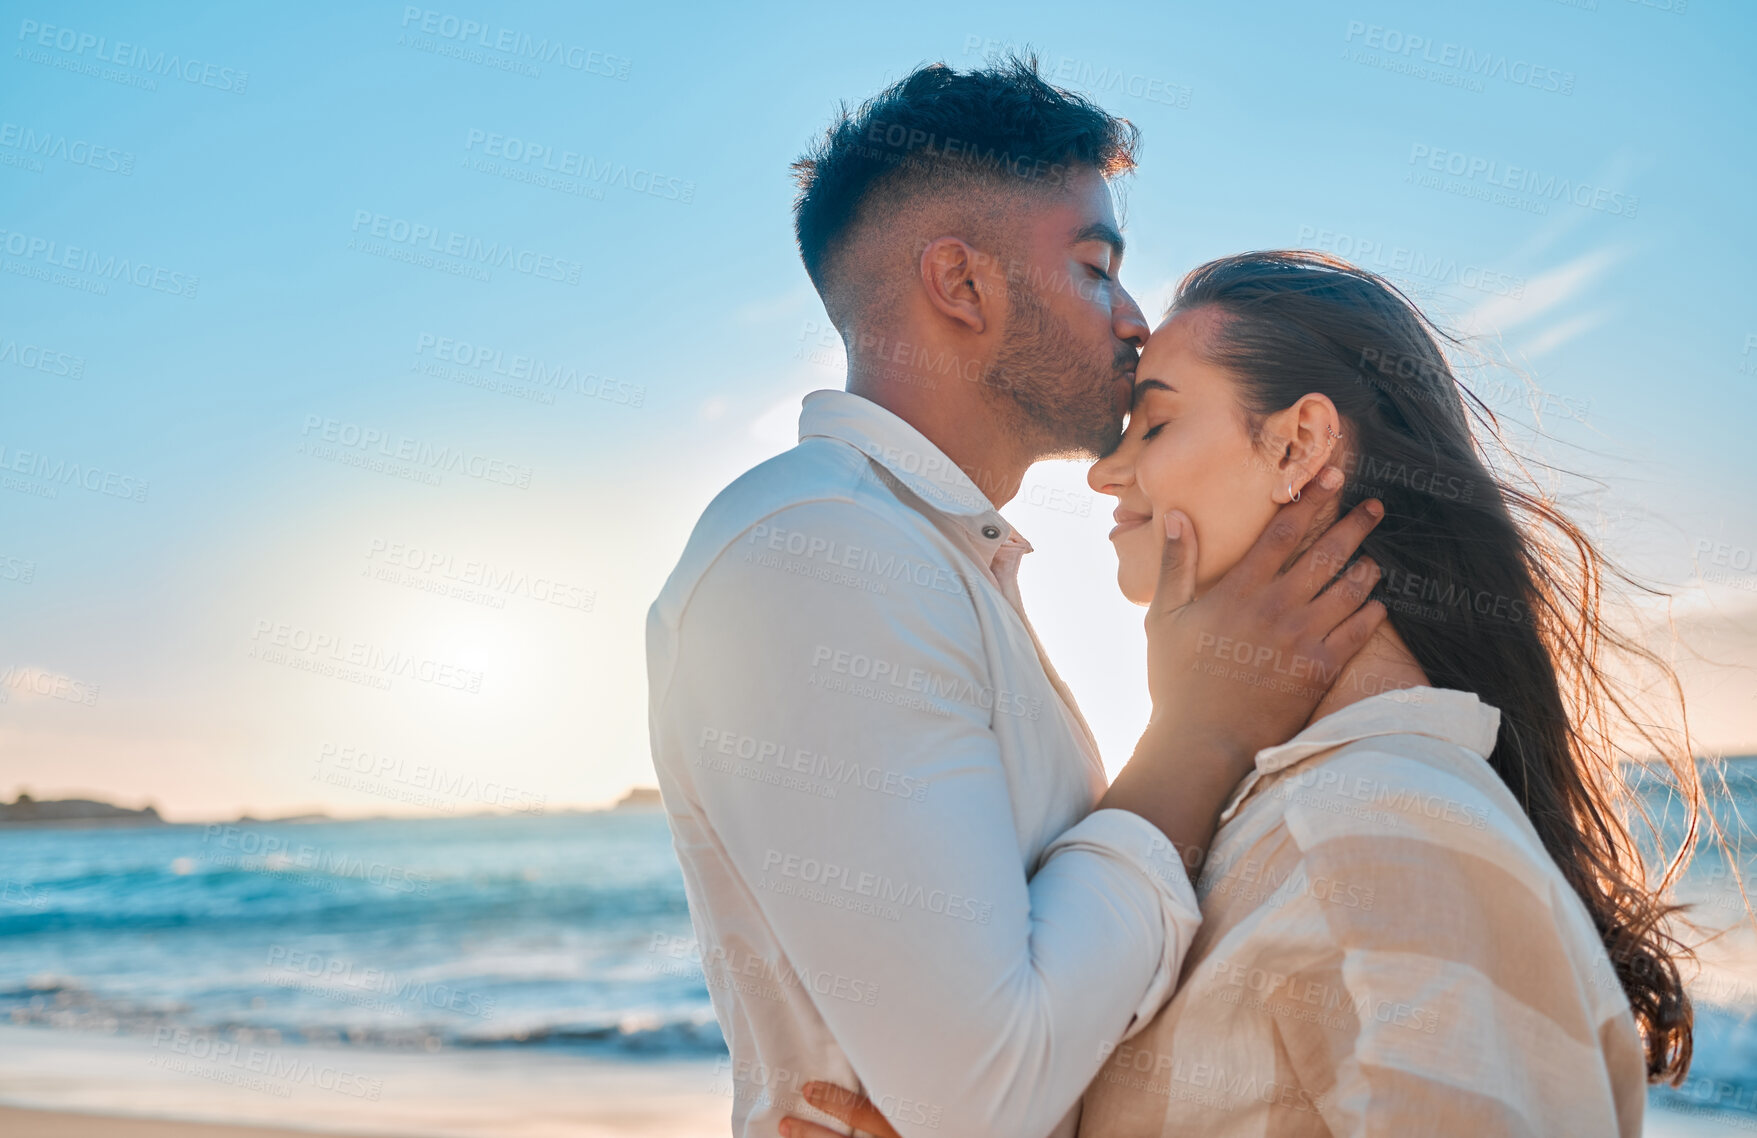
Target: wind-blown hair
<point x="1491" y="586"/>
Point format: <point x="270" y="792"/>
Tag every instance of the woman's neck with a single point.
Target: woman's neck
<point x="1383" y="664"/>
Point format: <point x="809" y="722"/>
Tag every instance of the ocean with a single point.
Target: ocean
<point x="562" y="932"/>
<point x="419" y="934"/>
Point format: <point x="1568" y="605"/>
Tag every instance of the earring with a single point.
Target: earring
<point x="1292" y="494"/>
<point x="1334" y="437"/>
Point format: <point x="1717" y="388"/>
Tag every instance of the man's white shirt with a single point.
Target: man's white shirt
<point x="881" y="795"/>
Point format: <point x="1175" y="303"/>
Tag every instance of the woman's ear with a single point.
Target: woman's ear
<point x="1307" y="436"/>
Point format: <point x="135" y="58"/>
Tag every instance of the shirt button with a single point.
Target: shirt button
<point x="991" y="532"/>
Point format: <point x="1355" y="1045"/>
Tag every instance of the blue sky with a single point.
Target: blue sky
<point x="267" y="417"/>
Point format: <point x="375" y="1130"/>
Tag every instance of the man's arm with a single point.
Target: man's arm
<point x="995" y="993"/>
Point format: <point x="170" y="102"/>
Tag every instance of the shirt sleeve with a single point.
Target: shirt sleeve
<point x="1456" y="986"/>
<point x="999" y="994"/>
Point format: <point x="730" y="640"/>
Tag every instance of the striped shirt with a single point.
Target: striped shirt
<point x="1385" y="948"/>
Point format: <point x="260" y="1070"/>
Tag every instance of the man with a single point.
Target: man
<point x="880" y="791"/>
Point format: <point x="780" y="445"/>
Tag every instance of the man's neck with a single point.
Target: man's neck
<point x="964" y="426"/>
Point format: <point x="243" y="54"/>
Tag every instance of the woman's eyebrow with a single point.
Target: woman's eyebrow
<point x="1145" y="385"/>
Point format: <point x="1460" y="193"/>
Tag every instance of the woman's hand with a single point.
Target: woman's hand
<point x="854" y="1109"/>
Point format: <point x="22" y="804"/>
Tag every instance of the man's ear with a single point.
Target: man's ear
<point x="959" y="283"/>
<point x="1307" y="436"/>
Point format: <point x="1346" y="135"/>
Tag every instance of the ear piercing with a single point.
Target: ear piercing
<point x="1294" y="495"/>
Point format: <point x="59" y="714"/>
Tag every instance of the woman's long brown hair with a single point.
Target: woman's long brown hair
<point x="1492" y="587"/>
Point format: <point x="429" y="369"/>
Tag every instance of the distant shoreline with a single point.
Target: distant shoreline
<point x="88" y="814"/>
<point x="27" y="813"/>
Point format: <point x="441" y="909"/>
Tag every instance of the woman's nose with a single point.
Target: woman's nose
<point x="1112" y="473"/>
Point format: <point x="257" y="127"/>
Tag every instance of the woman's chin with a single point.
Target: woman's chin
<point x="1135" y="589"/>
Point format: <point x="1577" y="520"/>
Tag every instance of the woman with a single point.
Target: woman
<point x="1424" y="913"/>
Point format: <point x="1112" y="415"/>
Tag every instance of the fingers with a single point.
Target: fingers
<point x="1286" y="530"/>
<point x="1317" y="565"/>
<point x="1177" y="565"/>
<point x="1342" y="599"/>
<point x="1354" y="632"/>
<point x="851" y="1107"/>
<point x="799" y="1128"/>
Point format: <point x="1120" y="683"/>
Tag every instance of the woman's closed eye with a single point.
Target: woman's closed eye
<point x="1151" y="431"/>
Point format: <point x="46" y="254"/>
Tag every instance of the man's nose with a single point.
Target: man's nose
<point x="1128" y="322"/>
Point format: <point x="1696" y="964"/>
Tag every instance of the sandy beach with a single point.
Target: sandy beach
<point x="56" y="1124"/>
<point x="57" y="1084"/>
<point x="59" y="1124"/>
<point x="69" y="1084"/>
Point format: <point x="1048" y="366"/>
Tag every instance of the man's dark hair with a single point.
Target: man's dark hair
<point x="937" y="131"/>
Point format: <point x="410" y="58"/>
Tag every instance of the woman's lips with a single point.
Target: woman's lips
<point x="1127" y="520"/>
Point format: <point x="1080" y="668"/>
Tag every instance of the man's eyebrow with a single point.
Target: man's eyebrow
<point x="1102" y="231"/>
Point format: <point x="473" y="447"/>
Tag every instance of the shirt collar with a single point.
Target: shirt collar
<point x="1439" y="713"/>
<point x="907" y="455"/>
